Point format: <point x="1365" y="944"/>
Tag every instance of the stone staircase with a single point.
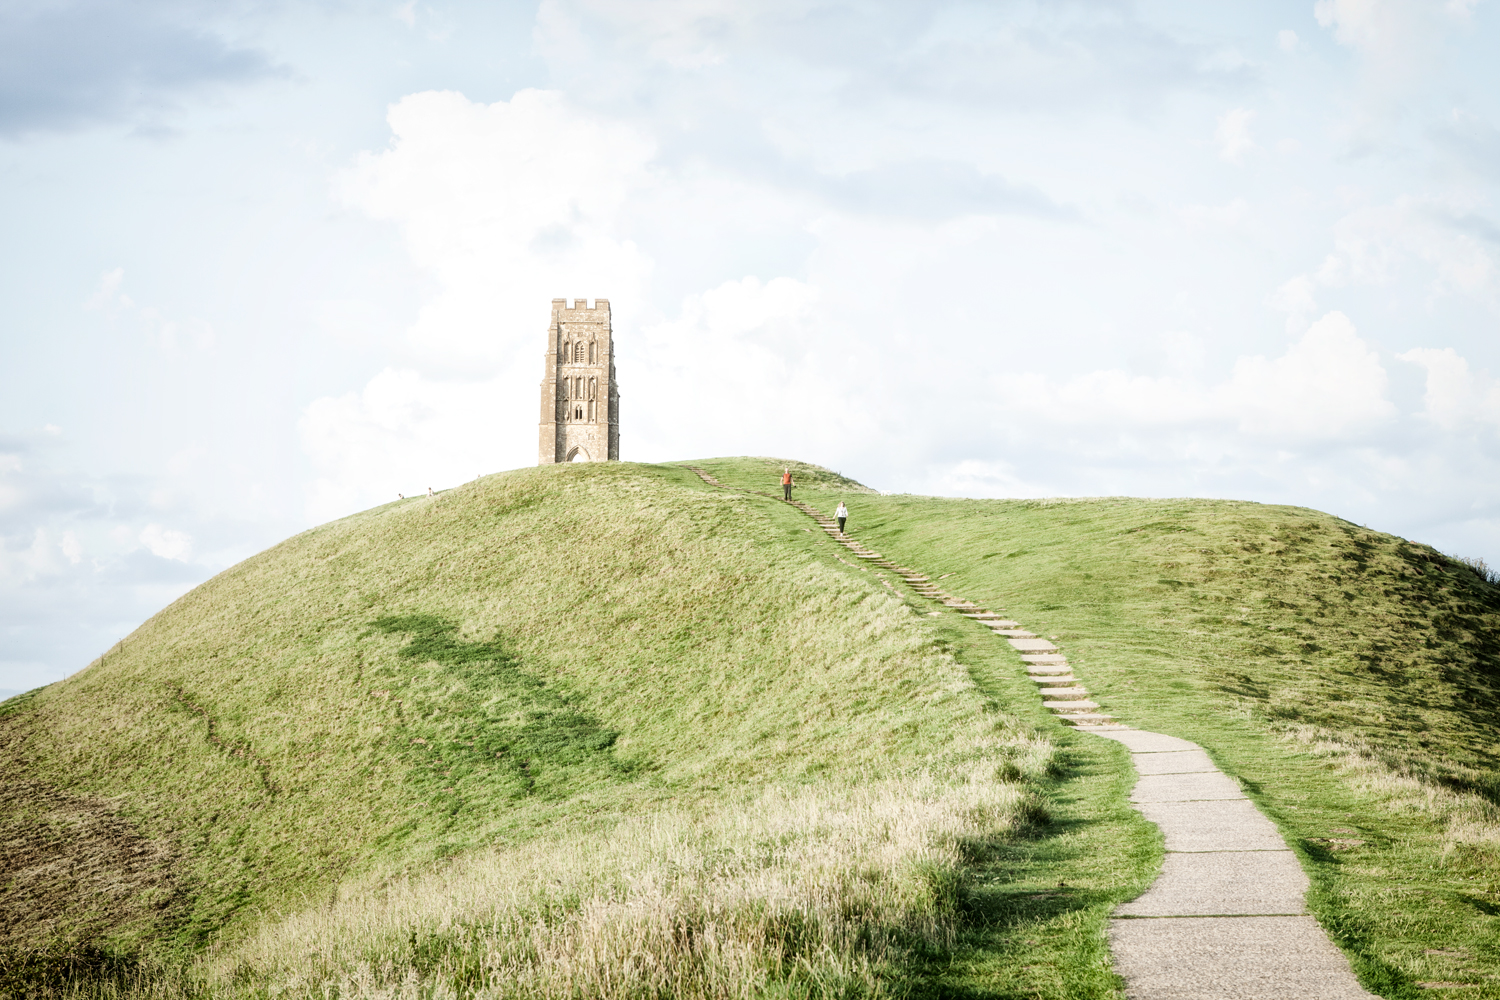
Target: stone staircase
<point x="1061" y="692"/>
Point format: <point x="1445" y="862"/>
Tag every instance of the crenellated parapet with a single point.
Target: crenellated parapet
<point x="580" y="419"/>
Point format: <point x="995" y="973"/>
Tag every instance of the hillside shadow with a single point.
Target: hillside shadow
<point x="475" y="715"/>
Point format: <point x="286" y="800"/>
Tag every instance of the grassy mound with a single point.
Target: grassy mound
<point x="606" y="730"/>
<point x="1350" y="679"/>
<point x="576" y="729"/>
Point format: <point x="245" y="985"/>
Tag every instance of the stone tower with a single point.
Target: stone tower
<point x="580" y="401"/>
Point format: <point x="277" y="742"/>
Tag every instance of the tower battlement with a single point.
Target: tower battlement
<point x="580" y="400"/>
<point x="580" y="305"/>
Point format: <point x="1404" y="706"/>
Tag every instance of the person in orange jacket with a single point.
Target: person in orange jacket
<point x="786" y="484"/>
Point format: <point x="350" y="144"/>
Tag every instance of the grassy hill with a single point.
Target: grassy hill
<point x="581" y="728"/>
<point x="1349" y="678"/>
<point x="604" y="729"/>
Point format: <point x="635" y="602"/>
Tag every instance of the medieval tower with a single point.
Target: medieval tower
<point x="580" y="401"/>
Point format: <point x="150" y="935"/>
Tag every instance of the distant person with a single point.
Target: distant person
<point x="429" y="491"/>
<point x="400" y="496"/>
<point x="786" y="484"/>
<point x="842" y="514"/>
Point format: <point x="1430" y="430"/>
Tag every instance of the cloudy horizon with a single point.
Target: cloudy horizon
<point x="271" y="264"/>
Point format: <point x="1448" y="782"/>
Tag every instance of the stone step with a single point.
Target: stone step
<point x="1018" y="633"/>
<point x="1064" y="693"/>
<point x="1062" y="679"/>
<point x="999" y="623"/>
<point x="1031" y="645"/>
<point x="1042" y="669"/>
<point x="1087" y="719"/>
<point x="1044" y="658"/>
<point x="1069" y="707"/>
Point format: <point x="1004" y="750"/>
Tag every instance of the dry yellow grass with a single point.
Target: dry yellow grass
<point x="818" y="891"/>
<point x="1465" y="818"/>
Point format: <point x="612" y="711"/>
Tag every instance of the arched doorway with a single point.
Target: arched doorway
<point x="577" y="455"/>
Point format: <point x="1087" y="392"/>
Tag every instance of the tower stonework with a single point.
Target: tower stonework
<point x="580" y="401"/>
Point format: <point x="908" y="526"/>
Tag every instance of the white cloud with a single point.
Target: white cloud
<point x="1298" y="299"/>
<point x="682" y="34"/>
<point x="1328" y="385"/>
<point x="36" y="559"/>
<point x="404" y="432"/>
<point x="1399" y="37"/>
<point x="748" y="346"/>
<point x="165" y="543"/>
<point x="108" y="298"/>
<point x="1233" y="134"/>
<point x="163" y="333"/>
<point x="1233" y="214"/>
<point x="71" y="547"/>
<point x="981" y="477"/>
<point x="1287" y="40"/>
<point x="1455" y="396"/>
<point x="1374" y="244"/>
<point x="1365" y="24"/>
<point x="506" y="205"/>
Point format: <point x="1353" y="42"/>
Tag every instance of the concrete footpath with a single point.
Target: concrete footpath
<point x="1225" y="920"/>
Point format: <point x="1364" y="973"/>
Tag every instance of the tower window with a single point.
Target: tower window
<point x="593" y="351"/>
<point x="578" y="351"/>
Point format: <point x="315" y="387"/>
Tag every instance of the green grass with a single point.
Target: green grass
<point x="1348" y="678"/>
<point x="491" y="688"/>
<point x="555" y="711"/>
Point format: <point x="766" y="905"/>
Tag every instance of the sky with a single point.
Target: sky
<point x="263" y="265"/>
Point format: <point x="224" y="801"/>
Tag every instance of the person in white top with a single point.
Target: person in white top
<point x="842" y="514"/>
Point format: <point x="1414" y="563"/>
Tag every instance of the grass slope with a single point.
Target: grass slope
<point x="510" y="739"/>
<point x="603" y="729"/>
<point x="1348" y="678"/>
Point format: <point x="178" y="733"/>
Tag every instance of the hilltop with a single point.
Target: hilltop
<point x="563" y="711"/>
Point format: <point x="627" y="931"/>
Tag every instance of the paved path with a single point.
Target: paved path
<point x="1225" y="919"/>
